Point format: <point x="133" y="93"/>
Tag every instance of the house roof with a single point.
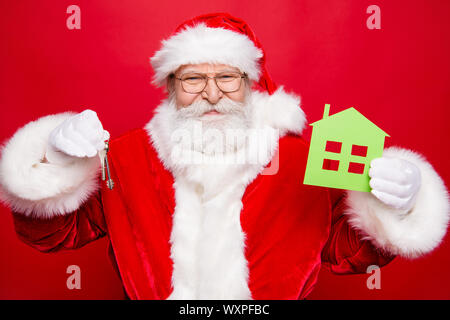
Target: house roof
<point x="349" y="116"/>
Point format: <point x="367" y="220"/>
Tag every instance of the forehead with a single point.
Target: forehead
<point x="205" y="68"/>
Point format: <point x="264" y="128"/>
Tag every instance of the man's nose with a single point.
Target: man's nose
<point x="212" y="93"/>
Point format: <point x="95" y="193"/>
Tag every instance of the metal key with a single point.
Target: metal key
<point x="103" y="154"/>
<point x="109" y="182"/>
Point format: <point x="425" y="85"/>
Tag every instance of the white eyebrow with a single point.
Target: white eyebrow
<point x="196" y="71"/>
<point x="190" y="71"/>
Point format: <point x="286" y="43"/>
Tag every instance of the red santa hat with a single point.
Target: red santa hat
<point x="213" y="38"/>
<point x="220" y="38"/>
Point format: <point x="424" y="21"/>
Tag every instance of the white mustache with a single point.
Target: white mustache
<point x="198" y="108"/>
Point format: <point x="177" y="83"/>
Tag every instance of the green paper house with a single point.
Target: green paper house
<point x="342" y="146"/>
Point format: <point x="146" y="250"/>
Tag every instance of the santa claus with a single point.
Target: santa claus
<point x="185" y="217"/>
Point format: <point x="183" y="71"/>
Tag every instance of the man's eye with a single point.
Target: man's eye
<point x="193" y="78"/>
<point x="226" y="77"/>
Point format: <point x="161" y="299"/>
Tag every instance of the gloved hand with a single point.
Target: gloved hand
<point x="395" y="182"/>
<point x="81" y="135"/>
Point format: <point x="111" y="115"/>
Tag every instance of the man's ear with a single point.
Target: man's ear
<point x="170" y="83"/>
<point x="249" y="85"/>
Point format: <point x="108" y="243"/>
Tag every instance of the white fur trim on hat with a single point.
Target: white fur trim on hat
<point x="41" y="189"/>
<point x="202" y="44"/>
<point x="411" y="235"/>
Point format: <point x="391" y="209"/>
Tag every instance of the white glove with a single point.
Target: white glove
<point x="395" y="182"/>
<point x="81" y="135"/>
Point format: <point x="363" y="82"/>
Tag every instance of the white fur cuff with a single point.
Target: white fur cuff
<point x="416" y="233"/>
<point x="33" y="187"/>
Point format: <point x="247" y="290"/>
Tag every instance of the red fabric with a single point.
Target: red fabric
<point x="291" y="228"/>
<point x="227" y="21"/>
<point x="63" y="232"/>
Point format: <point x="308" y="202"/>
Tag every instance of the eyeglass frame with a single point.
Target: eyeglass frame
<point x="204" y="76"/>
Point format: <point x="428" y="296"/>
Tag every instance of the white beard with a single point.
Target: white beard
<point x="207" y="240"/>
<point x="208" y="196"/>
<point x="204" y="150"/>
<point x="213" y="151"/>
<point x="206" y="211"/>
<point x="216" y="135"/>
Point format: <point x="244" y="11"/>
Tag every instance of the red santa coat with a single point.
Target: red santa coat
<point x="267" y="240"/>
<point x="291" y="229"/>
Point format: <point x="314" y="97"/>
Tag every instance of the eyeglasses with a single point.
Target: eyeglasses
<point x="226" y="81"/>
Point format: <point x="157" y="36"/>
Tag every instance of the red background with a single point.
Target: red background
<point x="397" y="76"/>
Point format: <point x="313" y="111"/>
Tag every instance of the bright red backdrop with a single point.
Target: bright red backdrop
<point x="397" y="76"/>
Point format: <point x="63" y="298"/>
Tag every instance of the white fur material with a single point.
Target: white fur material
<point x="413" y="234"/>
<point x="201" y="44"/>
<point x="41" y="189"/>
<point x="207" y="241"/>
<point x="280" y="110"/>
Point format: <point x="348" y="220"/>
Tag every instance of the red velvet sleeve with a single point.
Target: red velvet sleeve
<point x="345" y="252"/>
<point x="69" y="231"/>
